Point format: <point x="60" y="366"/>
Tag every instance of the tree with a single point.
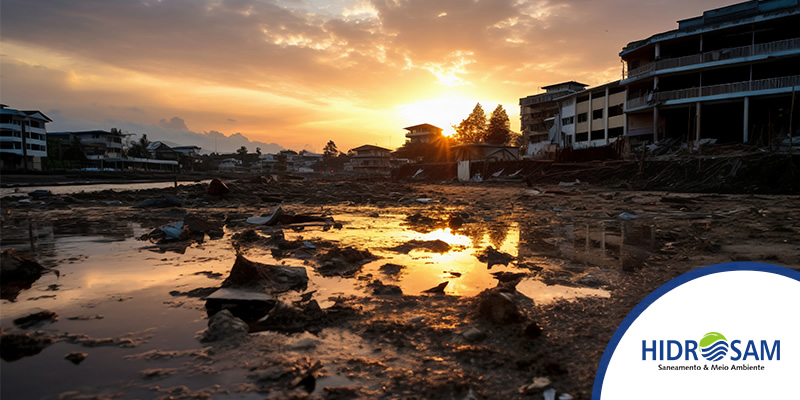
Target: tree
<point x="139" y="149"/>
<point x="472" y="129"/>
<point x="437" y="150"/>
<point x="258" y="151"/>
<point x="242" y="151"/>
<point x="330" y="150"/>
<point x="499" y="129"/>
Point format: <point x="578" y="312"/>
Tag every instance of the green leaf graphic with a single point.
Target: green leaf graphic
<point x="711" y="338"/>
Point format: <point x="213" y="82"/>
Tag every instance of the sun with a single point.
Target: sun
<point x="443" y="112"/>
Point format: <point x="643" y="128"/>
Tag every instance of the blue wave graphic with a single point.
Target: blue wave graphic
<point x="716" y="351"/>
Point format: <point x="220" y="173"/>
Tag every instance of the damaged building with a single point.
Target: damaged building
<point x="729" y="74"/>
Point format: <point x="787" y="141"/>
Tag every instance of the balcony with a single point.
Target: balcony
<point x="717" y="55"/>
<point x="715" y="90"/>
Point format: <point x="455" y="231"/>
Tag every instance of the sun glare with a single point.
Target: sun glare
<point x="443" y="112"/>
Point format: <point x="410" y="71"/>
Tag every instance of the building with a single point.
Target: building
<point x="589" y="118"/>
<point x="372" y="159"/>
<point x="160" y="151"/>
<point x="423" y="133"/>
<point x="729" y="74"/>
<point x="188" y="151"/>
<point x="23" y="139"/>
<point x="96" y="144"/>
<point x="537" y="111"/>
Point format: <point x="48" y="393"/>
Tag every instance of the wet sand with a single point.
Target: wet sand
<point x="582" y="260"/>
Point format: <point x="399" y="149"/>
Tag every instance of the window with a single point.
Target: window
<point x="6" y="132"/>
<point x="582" y="117"/>
<point x="597" y="114"/>
<point x="613" y="111"/>
<point x="581" y="137"/>
<point x="599" y="134"/>
<point x="615" y="132"/>
<point x="567" y="121"/>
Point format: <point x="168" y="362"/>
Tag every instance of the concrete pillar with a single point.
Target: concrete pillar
<point x="746" y="120"/>
<point x="625" y="113"/>
<point x="658" y="51"/>
<point x="588" y="115"/>
<point x="605" y="117"/>
<point x="699" y="107"/>
<point x="655" y="124"/>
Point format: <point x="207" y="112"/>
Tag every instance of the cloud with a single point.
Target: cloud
<point x="299" y="71"/>
<point x="174" y="123"/>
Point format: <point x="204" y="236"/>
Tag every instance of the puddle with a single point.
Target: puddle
<point x="104" y="271"/>
<point x="88" y="188"/>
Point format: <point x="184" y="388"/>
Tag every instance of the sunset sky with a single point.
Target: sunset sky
<point x="297" y="73"/>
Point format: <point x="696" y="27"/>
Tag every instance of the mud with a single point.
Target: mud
<point x="565" y="270"/>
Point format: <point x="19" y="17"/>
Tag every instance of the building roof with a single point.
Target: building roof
<point x="186" y="148"/>
<point x="23" y="113"/>
<point x="721" y="18"/>
<point x="433" y="128"/>
<point x="368" y="147"/>
<point x="569" y="83"/>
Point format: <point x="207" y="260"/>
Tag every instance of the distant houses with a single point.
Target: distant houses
<point x="423" y="133"/>
<point x="371" y="160"/>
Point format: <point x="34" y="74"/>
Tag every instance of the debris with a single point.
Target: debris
<point x="493" y="257"/>
<point x="271" y="219"/>
<point x="224" y="326"/>
<point x="391" y="269"/>
<point x="565" y="396"/>
<point x="498" y="173"/>
<point x="592" y="281"/>
<point x="438" y="289"/>
<point x="160" y="202"/>
<point x="424" y="200"/>
<point x="435" y="246"/>
<point x="35" y="318"/>
<point x="549" y="394"/>
<point x="85" y="317"/>
<point x="217" y="187"/>
<point x="577" y="182"/>
<point x="199" y="225"/>
<point x="76" y="357"/>
<point x="498" y="306"/>
<point x="38" y="194"/>
<point x="173" y="231"/>
<point x="199" y="292"/>
<point x="288" y="318"/>
<point x="16" y="346"/>
<point x="18" y="272"/>
<point x="419" y="171"/>
<point x="343" y="262"/>
<point x="473" y="334"/>
<point x="626" y="215"/>
<point x="272" y="278"/>
<point x="558" y="209"/>
<point x="538" y="385"/>
<point x="379" y="289"/>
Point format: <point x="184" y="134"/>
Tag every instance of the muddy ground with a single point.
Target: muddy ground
<point x="414" y="345"/>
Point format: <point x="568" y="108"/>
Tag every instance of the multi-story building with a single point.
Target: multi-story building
<point x="372" y="160"/>
<point x="23" y="139"/>
<point x="96" y="144"/>
<point x="729" y="74"/>
<point x="537" y="112"/>
<point x="423" y="133"/>
<point x="592" y="117"/>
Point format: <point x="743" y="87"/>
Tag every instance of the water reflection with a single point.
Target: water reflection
<point x="611" y="244"/>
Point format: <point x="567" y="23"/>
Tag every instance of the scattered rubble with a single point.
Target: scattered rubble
<point x="76" y="357"/>
<point x="224" y="326"/>
<point x="272" y="278"/>
<point x="36" y="318"/>
<point x="18" y="272"/>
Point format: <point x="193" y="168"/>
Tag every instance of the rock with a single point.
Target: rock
<point x="473" y="334"/>
<point x="198" y="225"/>
<point x="18" y="273"/>
<point x="288" y="318"/>
<point x="38" y="194"/>
<point x="224" y="326"/>
<point x="591" y="281"/>
<point x="493" y="257"/>
<point x="379" y="289"/>
<point x="15" y="346"/>
<point x="391" y="269"/>
<point x="435" y="246"/>
<point x="217" y="187"/>
<point x="160" y="202"/>
<point x="532" y="330"/>
<point x="269" y="374"/>
<point x="199" y="292"/>
<point x="76" y="357"/>
<point x="272" y="278"/>
<point x="304" y="344"/>
<point x="499" y="307"/>
<point x="509" y="280"/>
<point x="438" y="289"/>
<point x="343" y="262"/>
<point x="35" y="318"/>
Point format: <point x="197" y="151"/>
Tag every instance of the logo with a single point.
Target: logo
<point x="713" y="346"/>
